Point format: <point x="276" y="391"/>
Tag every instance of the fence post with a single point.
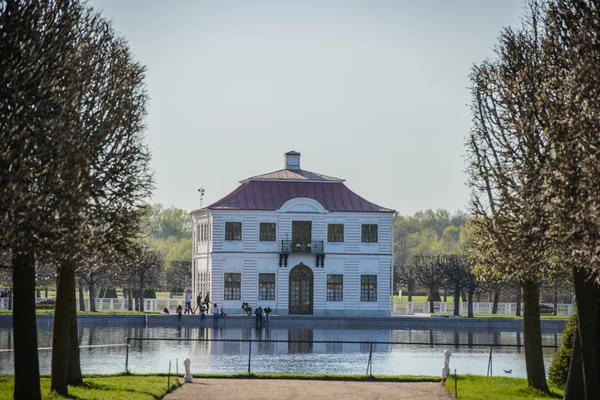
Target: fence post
<point x="489" y="371"/>
<point x="455" y="385"/>
<point x="169" y="379"/>
<point x="249" y="354"/>
<point x="370" y="362"/>
<point x="127" y="356"/>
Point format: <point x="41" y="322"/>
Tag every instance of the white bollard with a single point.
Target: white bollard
<point x="188" y="377"/>
<point x="446" y="368"/>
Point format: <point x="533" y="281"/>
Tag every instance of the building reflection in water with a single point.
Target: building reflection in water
<point x="305" y="335"/>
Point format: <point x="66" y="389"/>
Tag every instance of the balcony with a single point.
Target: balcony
<point x="289" y="246"/>
<point x="297" y="247"/>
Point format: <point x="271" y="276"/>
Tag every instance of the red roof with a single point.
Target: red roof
<point x="272" y="194"/>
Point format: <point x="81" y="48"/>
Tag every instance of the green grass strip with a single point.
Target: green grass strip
<point x="101" y="387"/>
<point x="472" y="387"/>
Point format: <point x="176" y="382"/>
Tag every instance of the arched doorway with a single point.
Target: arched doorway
<point x="301" y="290"/>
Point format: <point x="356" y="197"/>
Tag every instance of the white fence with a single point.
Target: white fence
<point x="116" y="304"/>
<point x="400" y="307"/>
<point x="412" y="307"/>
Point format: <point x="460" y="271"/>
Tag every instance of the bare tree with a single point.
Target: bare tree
<point x="179" y="274"/>
<point x="572" y="183"/>
<point x="508" y="155"/>
<point x="429" y="275"/>
<point x="42" y="158"/>
<point x="143" y="270"/>
<point x="405" y="276"/>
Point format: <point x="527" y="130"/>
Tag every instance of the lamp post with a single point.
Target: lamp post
<point x="201" y="191"/>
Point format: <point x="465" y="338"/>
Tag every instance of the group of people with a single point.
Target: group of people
<point x="202" y="307"/>
<point x="258" y="312"/>
<point x="5" y="293"/>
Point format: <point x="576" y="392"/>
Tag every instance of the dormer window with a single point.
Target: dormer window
<point x="233" y="231"/>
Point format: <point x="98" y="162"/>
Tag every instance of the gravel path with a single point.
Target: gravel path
<point x="262" y="389"/>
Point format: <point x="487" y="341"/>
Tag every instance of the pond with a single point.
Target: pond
<point x="268" y="357"/>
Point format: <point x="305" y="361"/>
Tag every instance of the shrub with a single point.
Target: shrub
<point x="559" y="368"/>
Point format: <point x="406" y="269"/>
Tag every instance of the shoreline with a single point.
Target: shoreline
<point x="306" y="322"/>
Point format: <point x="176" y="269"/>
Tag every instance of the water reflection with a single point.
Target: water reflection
<point x="269" y="356"/>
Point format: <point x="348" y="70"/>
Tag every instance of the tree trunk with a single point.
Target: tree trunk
<point x="74" y="376"/>
<point x="555" y="299"/>
<point x="519" y="295"/>
<point x="81" y="298"/>
<point x="46" y="292"/>
<point x="457" y="301"/>
<point x="410" y="290"/>
<point x="532" y="332"/>
<point x="496" y="300"/>
<point x="92" y="292"/>
<point x="38" y="293"/>
<point x="445" y="295"/>
<point x="463" y="296"/>
<point x="586" y="294"/>
<point x="431" y="308"/>
<point x="65" y="302"/>
<point x="470" y="304"/>
<point x="574" y="389"/>
<point x="129" y="300"/>
<point x="27" y="370"/>
<point x="11" y="294"/>
<point x="142" y="291"/>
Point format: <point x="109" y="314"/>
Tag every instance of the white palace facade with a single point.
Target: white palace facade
<point x="297" y="241"/>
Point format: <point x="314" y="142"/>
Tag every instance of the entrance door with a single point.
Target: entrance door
<point x="301" y="290"/>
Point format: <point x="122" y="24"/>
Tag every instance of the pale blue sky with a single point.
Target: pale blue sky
<point x="375" y="92"/>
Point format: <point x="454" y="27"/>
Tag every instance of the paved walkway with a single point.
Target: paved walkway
<point x="263" y="389"/>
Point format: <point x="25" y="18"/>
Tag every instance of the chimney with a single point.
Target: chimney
<point x="292" y="160"/>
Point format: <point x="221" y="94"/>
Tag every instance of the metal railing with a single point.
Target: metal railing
<point x="294" y="246"/>
<point x="412" y="307"/>
<point x="369" y="370"/>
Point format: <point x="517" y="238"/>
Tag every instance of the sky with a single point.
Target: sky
<point x="374" y="92"/>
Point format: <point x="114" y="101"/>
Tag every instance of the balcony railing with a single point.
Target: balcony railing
<point x="290" y="246"/>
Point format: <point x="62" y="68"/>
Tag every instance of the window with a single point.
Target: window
<point x="368" y="287"/>
<point x="203" y="232"/>
<point x="267" y="231"/>
<point x="233" y="231"/>
<point x="233" y="286"/>
<point x="266" y="286"/>
<point x="335" y="287"/>
<point x="335" y="232"/>
<point x="369" y="233"/>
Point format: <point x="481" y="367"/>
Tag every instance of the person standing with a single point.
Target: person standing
<point x="188" y="301"/>
<point x="267" y="315"/>
<point x="207" y="301"/>
<point x="215" y="312"/>
<point x="198" y="303"/>
<point x="259" y="315"/>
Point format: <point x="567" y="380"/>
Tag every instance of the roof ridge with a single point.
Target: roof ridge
<point x="299" y="175"/>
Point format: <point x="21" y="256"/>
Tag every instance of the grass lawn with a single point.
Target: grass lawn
<point x="420" y="298"/>
<point x="125" y="387"/>
<point x="471" y="387"/>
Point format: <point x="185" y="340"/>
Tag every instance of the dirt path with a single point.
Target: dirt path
<point x="262" y="389"/>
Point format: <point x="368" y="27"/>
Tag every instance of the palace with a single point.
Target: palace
<point x="297" y="241"/>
